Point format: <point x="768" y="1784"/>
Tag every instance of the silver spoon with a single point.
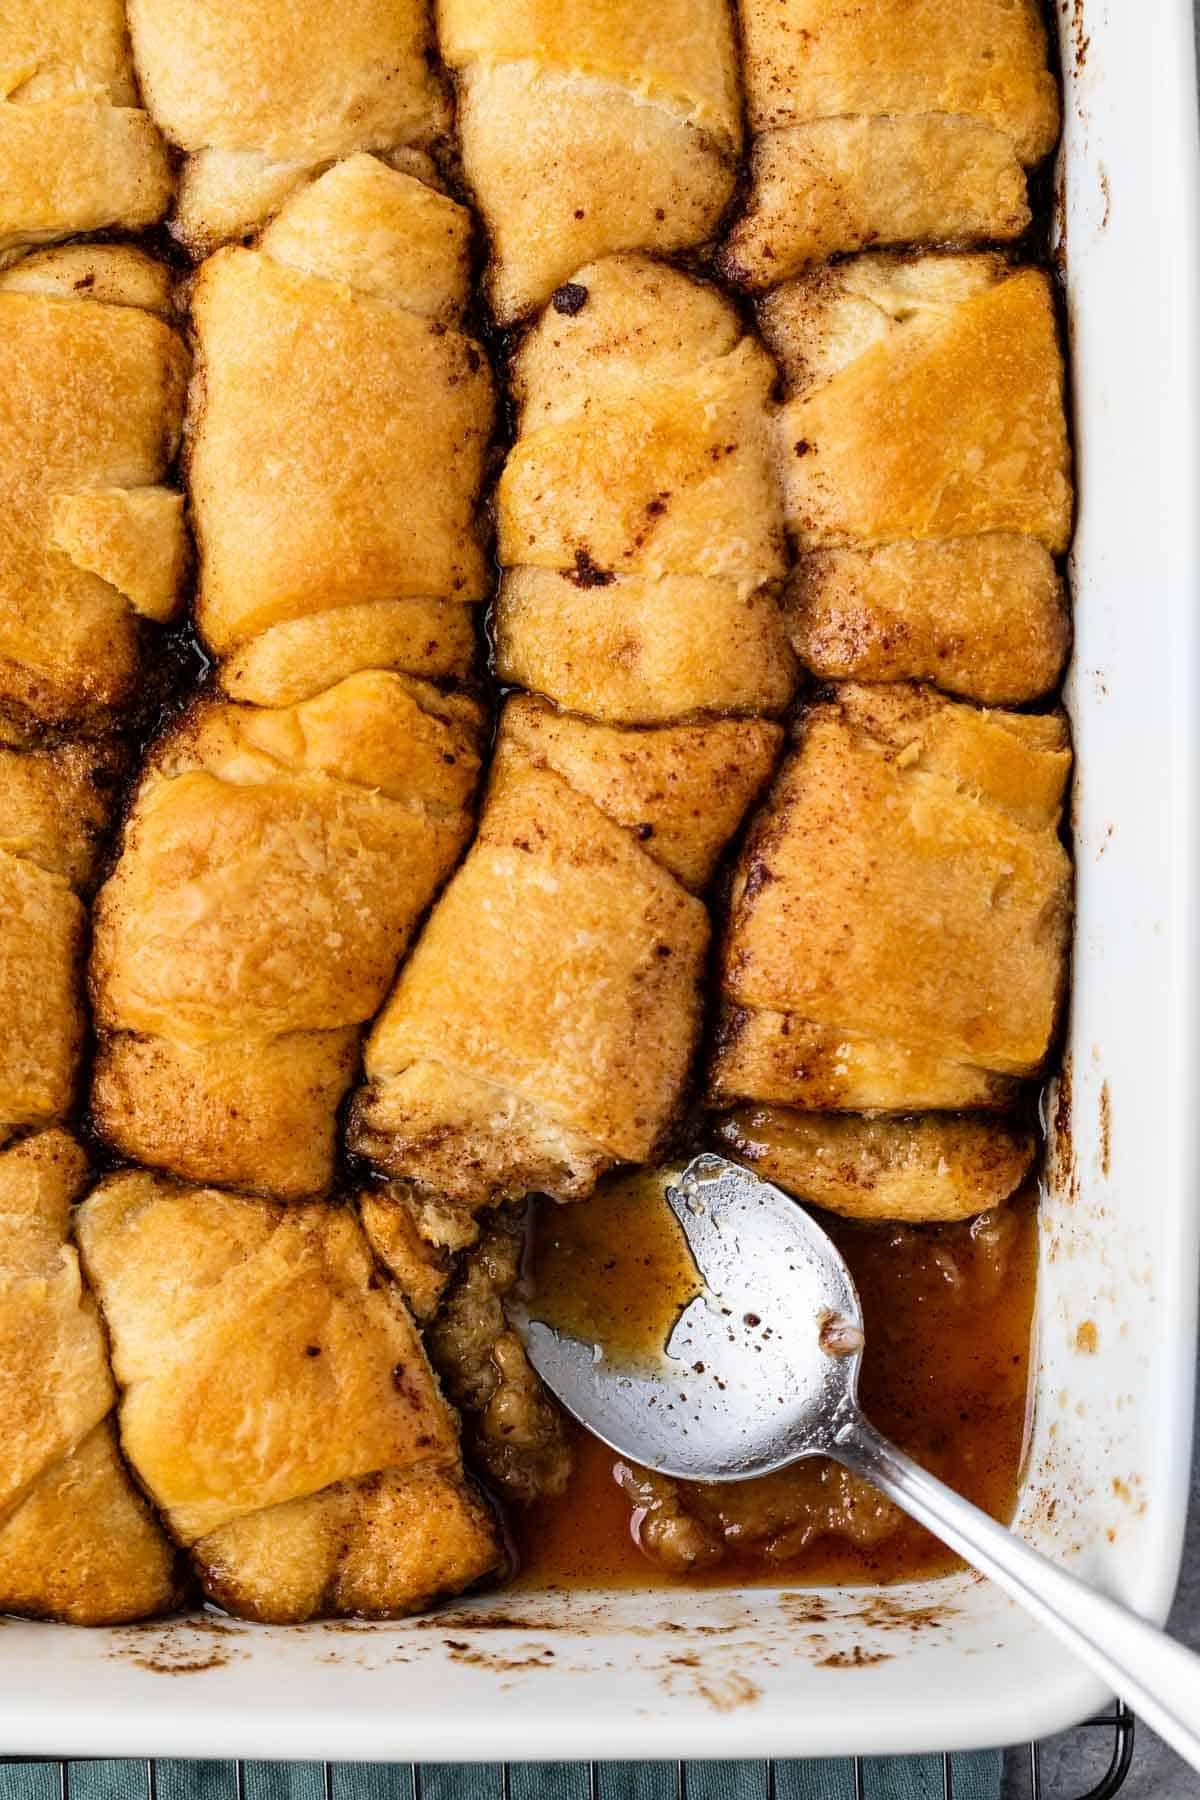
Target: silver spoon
<point x="761" y="1369"/>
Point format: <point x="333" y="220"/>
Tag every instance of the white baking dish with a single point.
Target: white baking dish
<point x="949" y="1665"/>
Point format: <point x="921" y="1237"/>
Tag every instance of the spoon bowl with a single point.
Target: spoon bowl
<point x="761" y="1366"/>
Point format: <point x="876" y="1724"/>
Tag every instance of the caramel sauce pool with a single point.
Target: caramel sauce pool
<point x="615" y="1270"/>
<point x="948" y="1312"/>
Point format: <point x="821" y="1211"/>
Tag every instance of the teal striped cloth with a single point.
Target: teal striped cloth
<point x="975" y="1777"/>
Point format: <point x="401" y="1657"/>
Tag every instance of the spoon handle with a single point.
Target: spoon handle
<point x="1160" y="1678"/>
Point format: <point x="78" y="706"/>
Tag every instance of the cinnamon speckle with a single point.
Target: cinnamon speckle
<point x="587" y="574"/>
<point x="570" y="298"/>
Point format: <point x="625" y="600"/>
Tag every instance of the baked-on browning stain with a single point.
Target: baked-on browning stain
<point x="217" y="1659"/>
<point x="1105" y="1128"/>
<point x="855" y="1658"/>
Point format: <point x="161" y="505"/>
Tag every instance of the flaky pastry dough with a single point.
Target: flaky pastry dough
<point x="277" y="1404"/>
<point x="77" y="1540"/>
<point x="905" y="885"/>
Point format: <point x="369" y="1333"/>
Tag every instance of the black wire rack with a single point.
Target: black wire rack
<point x="1023" y="1773"/>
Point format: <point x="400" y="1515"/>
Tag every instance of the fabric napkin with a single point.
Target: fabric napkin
<point x="975" y="1777"/>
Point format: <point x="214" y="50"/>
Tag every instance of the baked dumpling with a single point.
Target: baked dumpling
<point x="54" y="809"/>
<point x="76" y="152"/>
<point x="643" y="446"/>
<point x="543" y="1027"/>
<point x="642" y="465"/>
<point x="91" y="541"/>
<point x="882" y="124"/>
<point x="274" y="864"/>
<point x="262" y="95"/>
<point x="932" y="1167"/>
<point x="277" y="1405"/>
<point x="77" y="1541"/>
<point x="926" y="472"/>
<point x="591" y="126"/>
<point x="340" y="424"/>
<point x="905" y="899"/>
<point x="638" y="515"/>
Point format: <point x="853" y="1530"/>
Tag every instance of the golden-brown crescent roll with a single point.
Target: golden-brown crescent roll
<point x="544" y="1024"/>
<point x="882" y="124"/>
<point x="278" y="1406"/>
<point x="77" y="1541"/>
<point x="91" y="402"/>
<point x="76" y="152"/>
<point x="591" y="126"/>
<point x="274" y="865"/>
<point x="54" y="808"/>
<point x="261" y="95"/>
<point x="340" y="424"/>
<point x="939" y="1166"/>
<point x="906" y="885"/>
<point x="638" y="516"/>
<point x="926" y="472"/>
